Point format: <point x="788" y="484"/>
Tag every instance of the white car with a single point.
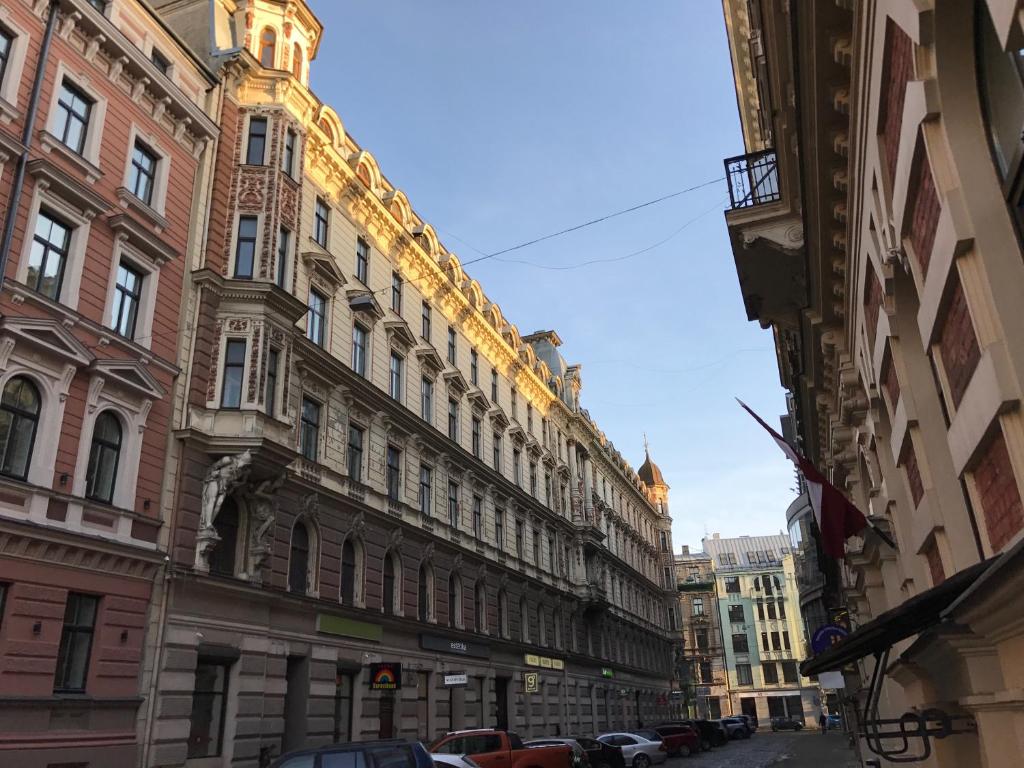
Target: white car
<point x="637" y="751"/>
<point x="455" y="761"/>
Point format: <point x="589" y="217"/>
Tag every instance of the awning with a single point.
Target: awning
<point x="908" y="618"/>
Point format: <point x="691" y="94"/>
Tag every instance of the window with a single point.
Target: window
<point x="222" y="559"/>
<point x="478" y="517"/>
<point x="316" y="321"/>
<point x="454" y="600"/>
<point x="519" y="537"/>
<point x="245" y="247"/>
<point x="396" y="292"/>
<point x="497" y="452"/>
<point x="103" y="458"/>
<point x="271" y="383"/>
<point x="771" y="673"/>
<point x="394" y="461"/>
<point x="474" y="367"/>
<point x="764" y="641"/>
<point x="453" y="419"/>
<point x="494" y="386"/>
<point x="127" y="296"/>
<point x="739" y="643"/>
<point x="426" y="478"/>
<point x="355" y="454"/>
<point x="515" y="403"/>
<point x="288" y="156"/>
<point x="362" y="261"/>
<point x="423" y="604"/>
<point x="298" y="561"/>
<point x="502" y="613"/>
<point x="706" y="674"/>
<point x="776" y="642"/>
<point x="142" y="176"/>
<point x="529" y="419"/>
<point x="536" y="548"/>
<point x="209" y="707"/>
<point x="736" y="614"/>
<point x="743" y="676"/>
<point x="451" y="345"/>
<point x="284" y="238"/>
<point x="160" y="61"/>
<point x="517" y="466"/>
<point x="760" y="611"/>
<point x="728" y="558"/>
<point x="789" y="672"/>
<point x="425" y="321"/>
<point x="256" y="144"/>
<point x="268" y="46"/>
<point x="391" y="579"/>
<point x="732" y="584"/>
<point x="234" y="367"/>
<point x="73" y="110"/>
<point x="533" y="478"/>
<point x="499" y="528"/>
<point x="785" y="640"/>
<point x="76" y="643"/>
<point x="698" y="606"/>
<point x="350" y="572"/>
<point x="477" y="438"/>
<point x="771" y="610"/>
<point x="359" y="349"/>
<point x="49" y="255"/>
<point x="395" y="386"/>
<point x="6" y="43"/>
<point x="782" y="610"/>
<point x="700" y="637"/>
<point x="551" y="553"/>
<point x="19" y="418"/>
<point x="297" y="61"/>
<point x="427" y="399"/>
<point x="309" y="429"/>
<point x="453" y="503"/>
<point x="321" y="222"/>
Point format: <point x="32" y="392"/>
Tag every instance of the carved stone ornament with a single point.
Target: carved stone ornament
<point x="395" y="539"/>
<point x="428" y="553"/>
<point x="222" y="478"/>
<point x="358" y="526"/>
<point x="311" y="507"/>
<point x="457" y="563"/>
<point x="262" y="501"/>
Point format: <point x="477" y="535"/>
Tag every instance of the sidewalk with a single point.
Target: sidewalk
<point x="812" y="750"/>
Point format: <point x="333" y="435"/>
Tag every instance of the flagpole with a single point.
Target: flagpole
<point x="882" y="535"/>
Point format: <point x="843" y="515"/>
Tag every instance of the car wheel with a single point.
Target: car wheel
<point x="641" y="761"/>
<point x="684" y="751"/>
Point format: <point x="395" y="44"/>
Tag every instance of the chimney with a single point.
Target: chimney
<point x="686" y="549"/>
<point x="715" y="536"/>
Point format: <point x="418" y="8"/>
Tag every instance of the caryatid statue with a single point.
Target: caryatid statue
<point x="262" y="501"/>
<point x="222" y="478"/>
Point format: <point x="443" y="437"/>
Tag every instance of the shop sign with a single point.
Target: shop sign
<point x="454" y="645"/>
<point x="531" y="682"/>
<point x="336" y="625"/>
<point x="545" y="662"/>
<point x="458" y="678"/>
<point x="826" y="636"/>
<point x="606" y="672"/>
<point x="386" y="676"/>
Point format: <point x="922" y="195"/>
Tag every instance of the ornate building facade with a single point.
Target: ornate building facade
<point x="389" y="513"/>
<point x="701" y="668"/>
<point x="876" y="228"/>
<point x="105" y="129"/>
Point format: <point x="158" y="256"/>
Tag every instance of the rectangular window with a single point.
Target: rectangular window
<point x="451" y="345"/>
<point x="706" y="675"/>
<point x="394" y="460"/>
<point x="785" y="640"/>
<point x="355" y="454"/>
<point x="245" y="247"/>
<point x="736" y="613"/>
<point x="529" y="418"/>
<point x="551" y="554"/>
<point x="764" y="641"/>
<point x="497" y="452"/>
<point x="396" y="292"/>
<point x="700" y="637"/>
<point x="474" y="367"/>
<point x="782" y="610"/>
<point x="288" y="156"/>
<point x="272" y="362"/>
<point x="127" y="296"/>
<point x="426" y="492"/>
<point x="453" y="419"/>
<point x="739" y="643"/>
<point x="771" y="673"/>
<point x="425" y="321"/>
<point x="547" y="489"/>
<point x="427" y="400"/>
<point x="316" y="323"/>
<point x="728" y="558"/>
<point x="73" y="111"/>
<point x="698" y="606"/>
<point x="209" y="709"/>
<point x="160" y="61"/>
<point x="515" y="404"/>
<point x="760" y="611"/>
<point x="362" y="261"/>
<point x="533" y="479"/>
<point x="536" y="548"/>
<point x="494" y="386"/>
<point x="517" y="466"/>
<point x="49" y="255"/>
<point x="732" y="584"/>
<point x="477" y="438"/>
<point x="6" y="43"/>
<point x="499" y="528"/>
<point x="519" y="538"/>
<point x="76" y="643"/>
<point x="284" y="240"/>
<point x="453" y="503"/>
<point x="359" y="349"/>
<point x="395" y="387"/>
<point x="478" y="517"/>
<point x="776" y="641"/>
<point x="743" y="676"/>
<point x="321" y="222"/>
<point x="309" y="431"/>
<point x="257" y="142"/>
<point x="142" y="177"/>
<point x="789" y="671"/>
<point x="771" y="610"/>
<point x="234" y="368"/>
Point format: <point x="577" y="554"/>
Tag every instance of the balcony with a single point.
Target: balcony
<point x="753" y="179"/>
<point x="696" y="583"/>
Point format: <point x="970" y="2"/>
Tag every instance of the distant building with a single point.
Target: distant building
<point x="700" y="665"/>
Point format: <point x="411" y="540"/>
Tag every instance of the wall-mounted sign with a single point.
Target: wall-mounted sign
<point x="606" y="672"/>
<point x="826" y="636"/>
<point x="531" y="682"/>
<point x="336" y="625"/>
<point x="533" y="660"/>
<point x="459" y="678"/>
<point x="386" y="676"/>
<point x="454" y="645"/>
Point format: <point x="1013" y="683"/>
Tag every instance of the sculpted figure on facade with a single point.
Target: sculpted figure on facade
<point x="222" y="478"/>
<point x="262" y="500"/>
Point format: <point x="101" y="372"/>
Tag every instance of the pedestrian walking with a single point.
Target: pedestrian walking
<point x="823" y="723"/>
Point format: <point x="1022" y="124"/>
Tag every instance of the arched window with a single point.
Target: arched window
<point x="351" y="572"/>
<point x="392" y="599"/>
<point x="268" y="46"/>
<point x="454" y="601"/>
<point x="426" y="591"/>
<point x="298" y="563"/>
<point x="556" y="635"/>
<point x="502" y="613"/>
<point x="222" y="561"/>
<point x="542" y="626"/>
<point x="480" y="609"/>
<point x="573" y="641"/>
<point x="524" y="622"/>
<point x="103" y="458"/>
<point x="297" y="61"/>
<point x="325" y="126"/>
<point x="19" y="417"/>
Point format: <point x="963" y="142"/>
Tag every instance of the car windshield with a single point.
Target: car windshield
<point x="650" y="735"/>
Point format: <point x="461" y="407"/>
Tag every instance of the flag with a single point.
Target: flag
<point x="838" y="519"/>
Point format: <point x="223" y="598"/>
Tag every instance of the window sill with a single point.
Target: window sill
<point x="51" y="143"/>
<point x="8" y="112"/>
<point x="139" y="206"/>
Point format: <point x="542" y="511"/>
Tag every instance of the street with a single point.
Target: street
<point x="779" y="750"/>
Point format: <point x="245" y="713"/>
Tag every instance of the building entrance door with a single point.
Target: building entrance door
<point x="501" y="703"/>
<point x="343" y="707"/>
<point x="748" y="706"/>
<point x="387" y="716"/>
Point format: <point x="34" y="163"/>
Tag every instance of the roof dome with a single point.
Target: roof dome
<point x="650" y="473"/>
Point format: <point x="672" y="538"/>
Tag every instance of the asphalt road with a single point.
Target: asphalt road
<point x="805" y="749"/>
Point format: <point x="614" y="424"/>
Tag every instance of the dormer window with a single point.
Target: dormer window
<point x="268" y="46"/>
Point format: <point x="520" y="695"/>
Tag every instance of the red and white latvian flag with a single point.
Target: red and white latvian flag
<point x="837" y="518"/>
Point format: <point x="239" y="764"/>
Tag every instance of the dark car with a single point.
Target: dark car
<point x="387" y="753"/>
<point x="602" y="755"/>
<point x="787" y="724"/>
<point x="680" y="740"/>
<point x="751" y="722"/>
<point x="710" y="734"/>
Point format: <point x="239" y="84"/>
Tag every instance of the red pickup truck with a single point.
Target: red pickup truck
<point x="491" y="748"/>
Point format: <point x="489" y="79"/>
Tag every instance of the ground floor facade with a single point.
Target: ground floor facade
<point x="793" y="702"/>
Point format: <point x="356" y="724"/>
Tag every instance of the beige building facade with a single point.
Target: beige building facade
<point x="876" y="227"/>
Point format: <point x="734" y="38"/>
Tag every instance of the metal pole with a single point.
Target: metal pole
<point x="26" y="140"/>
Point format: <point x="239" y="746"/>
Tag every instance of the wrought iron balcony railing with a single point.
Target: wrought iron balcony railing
<point x="753" y="179"/>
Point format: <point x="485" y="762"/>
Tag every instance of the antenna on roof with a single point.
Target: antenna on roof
<point x="647" y="447"/>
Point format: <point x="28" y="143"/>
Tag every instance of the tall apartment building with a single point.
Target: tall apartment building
<point x="105" y="129"/>
<point x="762" y="632"/>
<point x="876" y="228"/>
<point x="388" y="511"/>
<point x="701" y="664"/>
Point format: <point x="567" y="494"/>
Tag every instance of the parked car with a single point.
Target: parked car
<point x="387" y="753"/>
<point x="637" y="751"/>
<point x="491" y="748"/>
<point x="833" y="721"/>
<point x="787" y="724"/>
<point x="602" y="755"/>
<point x="734" y="727"/>
<point x="454" y="761"/>
<point x="680" y="740"/>
<point x="579" y="755"/>
<point x="751" y="722"/>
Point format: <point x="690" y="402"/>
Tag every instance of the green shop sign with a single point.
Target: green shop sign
<point x="337" y="625"/>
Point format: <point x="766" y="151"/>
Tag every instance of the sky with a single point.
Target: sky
<point x="506" y="121"/>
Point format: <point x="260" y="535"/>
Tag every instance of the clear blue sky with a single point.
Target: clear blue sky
<point x="503" y="121"/>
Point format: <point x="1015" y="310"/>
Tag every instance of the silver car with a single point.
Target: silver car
<point x="637" y="751"/>
<point x="579" y="756"/>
